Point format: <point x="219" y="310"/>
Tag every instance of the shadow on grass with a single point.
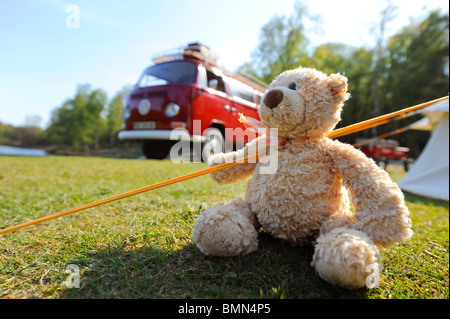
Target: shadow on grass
<point x="276" y="270"/>
<point x="424" y="200"/>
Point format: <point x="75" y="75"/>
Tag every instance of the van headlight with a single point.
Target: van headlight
<point x="172" y="109"/>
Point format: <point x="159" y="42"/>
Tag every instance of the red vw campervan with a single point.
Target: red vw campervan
<point x="188" y="90"/>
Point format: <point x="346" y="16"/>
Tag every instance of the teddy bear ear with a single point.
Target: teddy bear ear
<point x="337" y="84"/>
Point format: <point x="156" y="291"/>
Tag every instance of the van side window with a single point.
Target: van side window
<point x="241" y="90"/>
<point x="215" y="82"/>
<point x="258" y="98"/>
<point x="202" y="80"/>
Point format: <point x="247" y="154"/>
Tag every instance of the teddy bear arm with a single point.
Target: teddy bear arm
<point x="380" y="209"/>
<point x="234" y="174"/>
<point x="241" y="171"/>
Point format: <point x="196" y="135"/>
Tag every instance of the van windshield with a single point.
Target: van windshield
<point x="168" y="73"/>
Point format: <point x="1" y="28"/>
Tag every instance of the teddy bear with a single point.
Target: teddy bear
<point x="308" y="199"/>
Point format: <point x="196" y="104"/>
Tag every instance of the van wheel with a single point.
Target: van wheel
<point x="215" y="143"/>
<point x="407" y="164"/>
<point x="382" y="163"/>
<point x="156" y="149"/>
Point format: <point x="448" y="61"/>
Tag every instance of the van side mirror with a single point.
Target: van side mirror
<point x="213" y="83"/>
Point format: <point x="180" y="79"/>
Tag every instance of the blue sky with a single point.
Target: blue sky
<point x="42" y="61"/>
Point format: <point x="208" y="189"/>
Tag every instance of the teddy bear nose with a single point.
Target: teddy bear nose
<point x="273" y="98"/>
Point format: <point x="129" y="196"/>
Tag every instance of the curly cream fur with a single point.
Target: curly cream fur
<point x="227" y="230"/>
<point x="307" y="200"/>
<point x="343" y="255"/>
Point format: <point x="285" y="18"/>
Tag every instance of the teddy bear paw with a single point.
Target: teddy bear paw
<point x="345" y="257"/>
<point x="224" y="231"/>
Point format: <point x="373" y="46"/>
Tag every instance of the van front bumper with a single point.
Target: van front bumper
<point x="173" y="135"/>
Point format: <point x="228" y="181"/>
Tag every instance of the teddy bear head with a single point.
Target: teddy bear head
<point x="304" y="102"/>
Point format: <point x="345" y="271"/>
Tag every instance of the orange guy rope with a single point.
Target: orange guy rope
<point x="366" y="124"/>
<point x="370" y="125"/>
<point x="128" y="194"/>
<point x="339" y="132"/>
<point x="394" y="132"/>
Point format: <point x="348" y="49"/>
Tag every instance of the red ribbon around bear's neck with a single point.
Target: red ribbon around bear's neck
<point x="259" y="127"/>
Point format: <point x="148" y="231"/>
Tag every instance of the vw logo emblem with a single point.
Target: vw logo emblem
<point x="144" y="107"/>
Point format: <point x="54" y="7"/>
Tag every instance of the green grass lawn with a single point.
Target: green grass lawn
<point x="140" y="247"/>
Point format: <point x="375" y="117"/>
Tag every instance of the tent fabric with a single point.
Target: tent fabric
<point x="429" y="176"/>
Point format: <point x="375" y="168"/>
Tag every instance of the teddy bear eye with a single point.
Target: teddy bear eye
<point x="293" y="86"/>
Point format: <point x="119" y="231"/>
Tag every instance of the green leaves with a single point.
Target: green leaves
<point x="412" y="69"/>
<point x="87" y="119"/>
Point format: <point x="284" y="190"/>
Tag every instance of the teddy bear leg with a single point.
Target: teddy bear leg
<point x="346" y="257"/>
<point x="226" y="230"/>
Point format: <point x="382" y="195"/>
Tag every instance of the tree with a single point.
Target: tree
<point x="359" y="70"/>
<point x="29" y="135"/>
<point x="95" y="124"/>
<point x="114" y="111"/>
<point x="2" y="132"/>
<point x="33" y="120"/>
<point x="331" y="58"/>
<point x="8" y="134"/>
<point x="356" y="64"/>
<point x="387" y="15"/>
<point x="79" y="122"/>
<point x="408" y="69"/>
<point x="417" y="69"/>
<point x="282" y="46"/>
<point x="60" y="120"/>
<point x="419" y="61"/>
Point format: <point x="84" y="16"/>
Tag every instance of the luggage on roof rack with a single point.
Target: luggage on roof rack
<point x="194" y="50"/>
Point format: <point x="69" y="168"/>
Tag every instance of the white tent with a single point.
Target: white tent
<point x="429" y="175"/>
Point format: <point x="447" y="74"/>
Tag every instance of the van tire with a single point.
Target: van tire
<point x="156" y="149"/>
<point x="382" y="163"/>
<point x="215" y="143"/>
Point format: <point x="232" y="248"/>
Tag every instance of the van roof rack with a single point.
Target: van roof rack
<point x="194" y="50"/>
